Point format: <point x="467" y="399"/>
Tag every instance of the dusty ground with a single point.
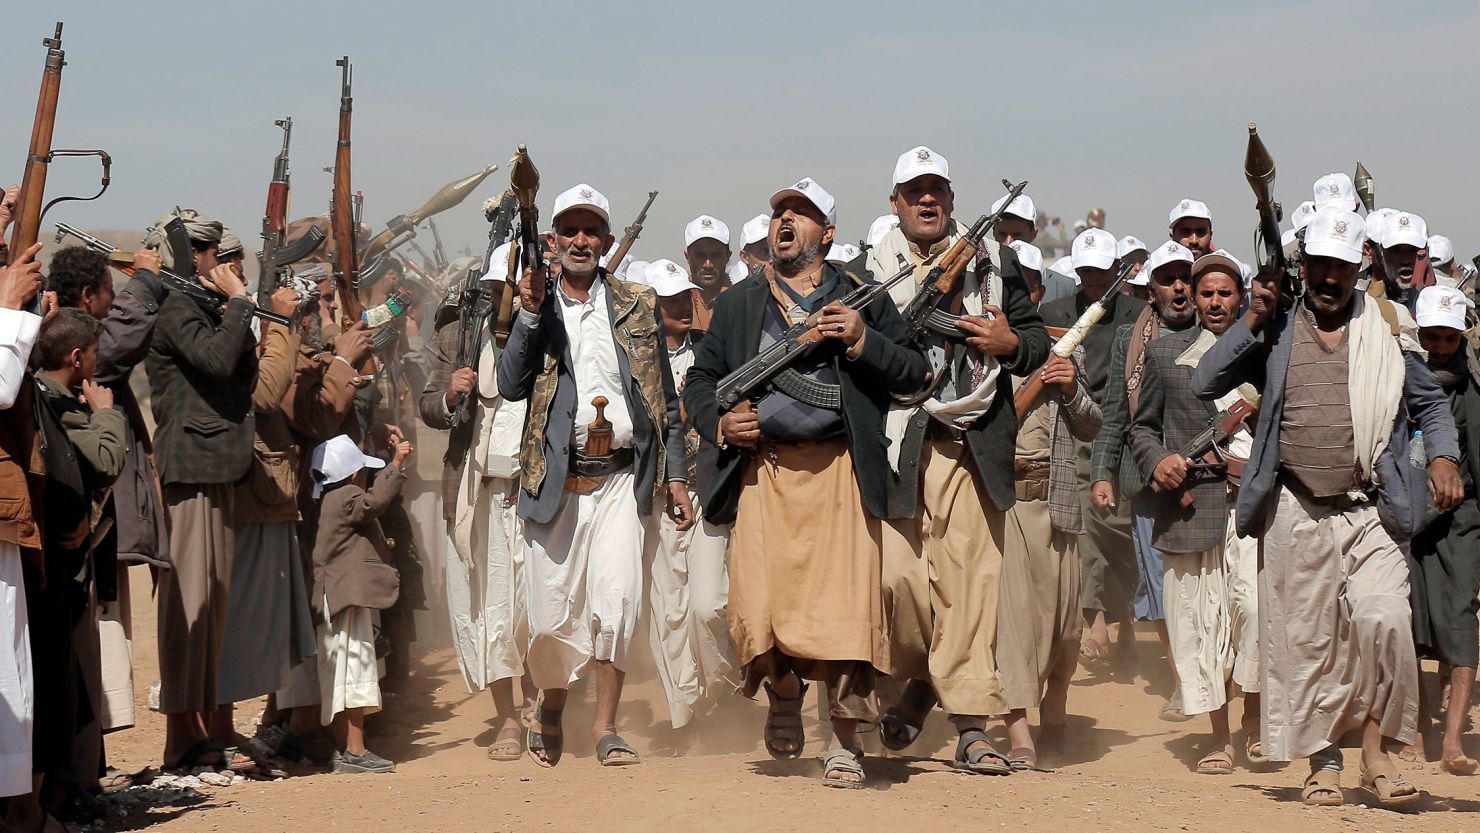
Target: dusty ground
<point x="1126" y="771"/>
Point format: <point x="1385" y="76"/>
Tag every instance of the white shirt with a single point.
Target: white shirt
<point x="18" y="331"/>
<point x="593" y="355"/>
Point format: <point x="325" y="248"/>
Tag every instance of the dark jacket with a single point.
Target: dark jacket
<point x="201" y="368"/>
<point x="992" y="438"/>
<point x="1240" y="356"/>
<point x="1119" y="311"/>
<point x="889" y="363"/>
<point x="1168" y="419"/>
<point x="351" y="558"/>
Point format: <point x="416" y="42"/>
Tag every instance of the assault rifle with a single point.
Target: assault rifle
<point x="1032" y="387"/>
<point x="476" y="302"/>
<point x="1206" y="449"/>
<point x="208" y="300"/>
<point x="276" y="254"/>
<point x="630" y="235"/>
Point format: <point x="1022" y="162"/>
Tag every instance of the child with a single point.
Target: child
<point x="353" y="578"/>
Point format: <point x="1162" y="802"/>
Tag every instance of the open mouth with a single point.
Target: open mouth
<point x="786" y="234"/>
<point x="929" y="215"/>
<point x="1179" y="302"/>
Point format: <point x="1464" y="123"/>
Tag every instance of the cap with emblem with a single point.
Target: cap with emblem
<point x="1441" y="306"/>
<point x="705" y="226"/>
<point x="918" y="162"/>
<point x="1189" y="208"/>
<point x="1028" y="255"/>
<point x="808" y="189"/>
<point x="1021" y="207"/>
<point x="881" y="226"/>
<point x="755" y="230"/>
<point x="841" y="253"/>
<point x="1168" y="252"/>
<point x="667" y="278"/>
<point x="1335" y="190"/>
<point x="1302" y="215"/>
<point x="1093" y="248"/>
<point x="1130" y="244"/>
<point x="1336" y="233"/>
<point x="1405" y="229"/>
<point x="582" y="196"/>
<point x="498" y="264"/>
<point x="1441" y="249"/>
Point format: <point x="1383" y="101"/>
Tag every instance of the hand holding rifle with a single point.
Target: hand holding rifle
<point x="21" y="279"/>
<point x="8" y="202"/>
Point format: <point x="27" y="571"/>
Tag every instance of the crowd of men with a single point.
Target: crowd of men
<point x="1275" y="470"/>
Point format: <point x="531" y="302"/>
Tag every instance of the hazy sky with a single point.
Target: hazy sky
<point x="1128" y="105"/>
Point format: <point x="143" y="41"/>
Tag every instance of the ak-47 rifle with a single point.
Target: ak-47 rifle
<point x="342" y="209"/>
<point x="30" y="210"/>
<point x="1032" y="387"/>
<point x="1206" y="449"/>
<point x="439" y="254"/>
<point x="402" y="227"/>
<point x="120" y="260"/>
<point x="1366" y="190"/>
<point x="276" y="254"/>
<point x="475" y="301"/>
<point x="631" y="234"/>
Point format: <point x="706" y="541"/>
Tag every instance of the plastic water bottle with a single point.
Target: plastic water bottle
<point x="1416" y="454"/>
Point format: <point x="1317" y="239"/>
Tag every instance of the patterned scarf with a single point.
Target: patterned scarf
<point x="1147" y="325"/>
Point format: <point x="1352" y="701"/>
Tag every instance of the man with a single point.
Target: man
<point x="1111" y="469"/>
<point x="1210" y="572"/>
<point x="688" y="586"/>
<point x="593" y="338"/>
<point x="1375" y="281"/>
<point x="706" y="249"/>
<point x="755" y="247"/>
<point x="1445" y="573"/>
<point x="1331" y="489"/>
<point x="1191" y="225"/>
<point x="805" y="594"/>
<point x="1132" y="250"/>
<point x="943" y="560"/>
<point x="1405" y="239"/>
<point x="201" y="368"/>
<point x="1109" y="567"/>
<point x="1019" y="222"/>
<point x="1138" y="286"/>
<point x="1030" y="261"/>
<point x="480" y="483"/>
<point x="1441" y="257"/>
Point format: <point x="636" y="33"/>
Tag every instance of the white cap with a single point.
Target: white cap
<point x="667" y="278"/>
<point x="1093" y="247"/>
<point x="498" y="263"/>
<point x="338" y="458"/>
<point x="808" y="188"/>
<point x="1302" y="215"/>
<point x="704" y="226"/>
<point x="1441" y="249"/>
<point x="1130" y="244"/>
<point x="1168" y="252"/>
<point x="1021" y="207"/>
<point x="755" y="230"/>
<point x="739" y="271"/>
<point x="918" y="162"/>
<point x="842" y="253"/>
<point x="1287" y="237"/>
<point x="881" y="226"/>
<point x="1335" y="190"/>
<point x="1377" y="220"/>
<point x="1441" y="306"/>
<point x="1064" y="266"/>
<point x="634" y="271"/>
<point x="1405" y="228"/>
<point x="1336" y="233"/>
<point x="582" y="196"/>
<point x="1028" y="255"/>
<point x="1189" y="208"/>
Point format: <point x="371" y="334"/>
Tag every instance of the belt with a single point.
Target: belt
<point x="937" y="430"/>
<point x="1030" y="469"/>
<point x="587" y="474"/>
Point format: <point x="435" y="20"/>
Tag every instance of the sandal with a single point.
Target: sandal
<point x="1218" y="762"/>
<point x="1094" y="652"/>
<point x="240" y="760"/>
<point x="506" y="747"/>
<point x="976" y="760"/>
<point x="1254" y="751"/>
<point x="842" y="760"/>
<point x="611" y="743"/>
<point x="897" y="730"/>
<point x="190" y="759"/>
<point x="115" y="780"/>
<point x="551" y="744"/>
<point x="784" y="724"/>
<point x="1461" y="765"/>
<point x="1322" y="788"/>
<point x="1022" y="759"/>
<point x="1385" y="783"/>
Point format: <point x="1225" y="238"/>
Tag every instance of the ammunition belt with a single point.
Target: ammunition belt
<point x="808" y="390"/>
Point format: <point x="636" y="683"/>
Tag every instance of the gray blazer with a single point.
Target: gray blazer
<point x="1240" y="356"/>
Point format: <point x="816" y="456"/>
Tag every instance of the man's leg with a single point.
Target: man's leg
<point x="609" y="679"/>
<point x="1461" y="682"/>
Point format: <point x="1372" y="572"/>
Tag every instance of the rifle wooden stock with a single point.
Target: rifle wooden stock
<point x="33" y="184"/>
<point x="630" y="235"/>
<point x="341" y="211"/>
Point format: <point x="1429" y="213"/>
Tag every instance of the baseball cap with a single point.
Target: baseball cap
<point x="1064" y="266"/>
<point x="1441" y="249"/>
<point x="1219" y="258"/>
<point x="338" y="458"/>
<point x="1189" y="208"/>
<point x="918" y="162"/>
<point x="755" y="230"/>
<point x="634" y="271"/>
<point x="1021" y="207"/>
<point x="1336" y="232"/>
<point x="1441" y="306"/>
<point x="1028" y="255"/>
<point x="1168" y="252"/>
<point x="1130" y="244"/>
<point x="498" y="264"/>
<point x="842" y="253"/>
<point x="705" y="226"/>
<point x="582" y="196"/>
<point x="1093" y="247"/>
<point x="1405" y="228"/>
<point x="1302" y="215"/>
<point x="667" y="278"/>
<point x="881" y="226"/>
<point x="739" y="271"/>
<point x="808" y="189"/>
<point x="1335" y="190"/>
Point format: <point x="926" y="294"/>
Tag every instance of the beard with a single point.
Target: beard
<point x="805" y="258"/>
<point x="570" y="267"/>
<point x="1174" y="317"/>
<point x="1327" y="302"/>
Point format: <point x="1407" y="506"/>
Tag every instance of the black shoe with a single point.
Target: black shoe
<point x="315" y="746"/>
<point x="350" y="763"/>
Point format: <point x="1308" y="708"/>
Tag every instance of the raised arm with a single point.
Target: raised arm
<point x="128" y="328"/>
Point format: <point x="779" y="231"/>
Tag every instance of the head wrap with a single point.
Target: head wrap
<point x="230" y="246"/>
<point x="200" y="229"/>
